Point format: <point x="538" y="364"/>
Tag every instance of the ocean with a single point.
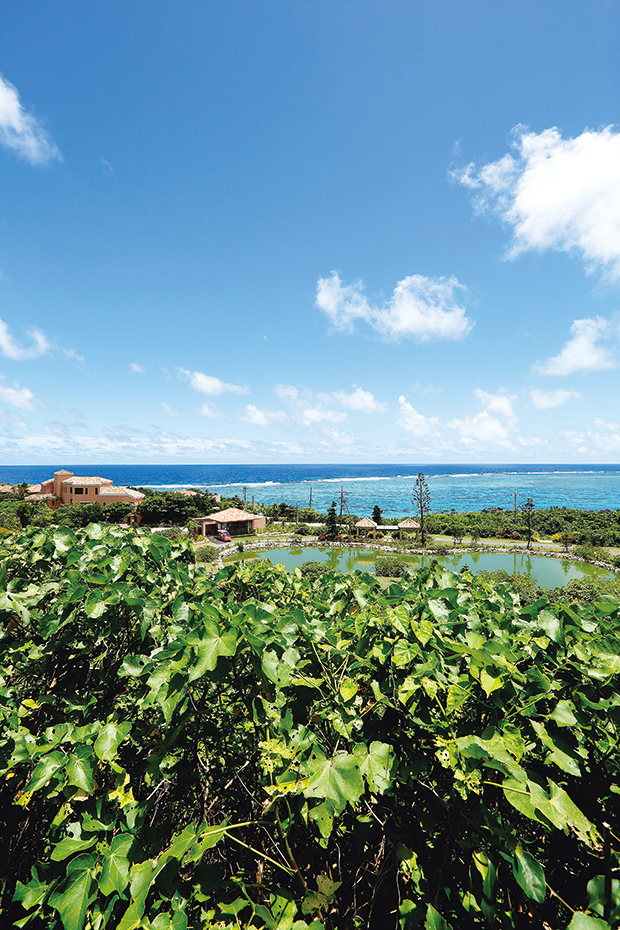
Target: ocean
<point x="452" y="487"/>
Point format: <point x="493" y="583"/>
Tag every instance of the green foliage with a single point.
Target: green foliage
<point x="377" y="514"/>
<point x="390" y="566"/>
<point x="520" y="582"/>
<point x="421" y="500"/>
<point x="313" y="569"/>
<point x="331" y="523"/>
<point x="207" y="553"/>
<point x="248" y="749"/>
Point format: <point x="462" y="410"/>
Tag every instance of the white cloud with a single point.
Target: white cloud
<point x="72" y="354"/>
<point x="22" y="132"/>
<point x="11" y="349"/>
<point x="173" y="411"/>
<point x="359" y="400"/>
<point x="211" y="412"/>
<point x="137" y="369"/>
<point x="497" y="403"/>
<point x="17" y="397"/>
<point x="413" y="422"/>
<point x="318" y="415"/>
<point x="207" y="384"/>
<point x="556" y="193"/>
<point x="544" y="400"/>
<point x="254" y="414"/>
<point x="581" y="353"/>
<point x="482" y="427"/>
<point x="420" y="308"/>
<point x="610" y="425"/>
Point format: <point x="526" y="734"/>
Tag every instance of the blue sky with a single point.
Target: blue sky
<point x="309" y="232"/>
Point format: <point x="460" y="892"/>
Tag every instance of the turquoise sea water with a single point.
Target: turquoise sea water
<point x="453" y="487"/>
<point x="548" y="573"/>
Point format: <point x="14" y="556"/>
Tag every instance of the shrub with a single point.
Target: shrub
<point x="389" y="566"/>
<point x="206" y="553"/>
<point x="169" y="532"/>
<point x="586" y="551"/>
<point x="521" y="582"/>
<point x="314" y="569"/>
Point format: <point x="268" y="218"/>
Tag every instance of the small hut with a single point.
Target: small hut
<point x="366" y="524"/>
<point x="408" y="524"/>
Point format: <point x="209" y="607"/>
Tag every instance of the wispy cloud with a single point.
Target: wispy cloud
<point x="310" y="408"/>
<point x="72" y="354"/>
<point x="545" y="400"/>
<point x="173" y="411"/>
<point x="208" y="384"/>
<point x="413" y="422"/>
<point x="212" y="413"/>
<point x="610" y="425"/>
<point x="582" y="352"/>
<point x="21" y="132"/>
<point x="420" y="308"/>
<point x="254" y="414"/>
<point x="556" y="193"/>
<point x="11" y="349"/>
<point x="136" y="369"/>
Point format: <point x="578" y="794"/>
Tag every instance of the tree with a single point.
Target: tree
<point x="421" y="500"/>
<point x="332" y="521"/>
<point x="527" y="509"/>
<point x="458" y="530"/>
<point x="377" y="513"/>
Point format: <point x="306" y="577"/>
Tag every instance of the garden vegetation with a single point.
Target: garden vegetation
<point x="258" y="749"/>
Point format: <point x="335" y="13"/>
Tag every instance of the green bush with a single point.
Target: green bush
<point x="207" y="553"/>
<point x="313" y="569"/>
<point x="389" y="566"/>
<point x="169" y="532"/>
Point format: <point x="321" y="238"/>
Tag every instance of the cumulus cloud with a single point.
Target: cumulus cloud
<point x="581" y="352"/>
<point x="136" y="369"/>
<point x="21" y="132"/>
<point x="11" y="349"/>
<point x="207" y="384"/>
<point x="254" y="414"/>
<point x="310" y="408"/>
<point x="413" y="422"/>
<point x="359" y="400"/>
<point x="498" y="403"/>
<point x="545" y="400"/>
<point x="17" y="397"/>
<point x="556" y="193"/>
<point x="482" y="427"/>
<point x="420" y="308"/>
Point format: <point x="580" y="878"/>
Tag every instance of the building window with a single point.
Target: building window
<point x="79" y="490"/>
<point x="96" y="490"/>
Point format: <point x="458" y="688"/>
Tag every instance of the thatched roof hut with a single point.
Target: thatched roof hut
<point x="366" y="524"/>
<point x="408" y="524"/>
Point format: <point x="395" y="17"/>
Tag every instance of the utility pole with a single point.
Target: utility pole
<point x="344" y="506"/>
<point x="515" y="508"/>
<point x="245" y="495"/>
<point x="296" y="513"/>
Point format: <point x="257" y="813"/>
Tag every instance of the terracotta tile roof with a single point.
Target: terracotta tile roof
<point x="39" y="497"/>
<point x="6" y="488"/>
<point x="366" y="524"/>
<point x="62" y="471"/>
<point x="110" y="490"/>
<point x="232" y="515"/>
<point x="187" y="493"/>
<point x="33" y="489"/>
<point x="82" y="481"/>
<point x="409" y="524"/>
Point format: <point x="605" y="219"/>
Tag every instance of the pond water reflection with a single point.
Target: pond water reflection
<point x="547" y="572"/>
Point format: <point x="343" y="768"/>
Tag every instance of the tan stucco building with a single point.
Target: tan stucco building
<point x="67" y="488"/>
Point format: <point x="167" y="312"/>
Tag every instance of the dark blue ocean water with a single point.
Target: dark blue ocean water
<point x="452" y="487"/>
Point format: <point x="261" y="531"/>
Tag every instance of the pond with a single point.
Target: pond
<point x="547" y="572"/>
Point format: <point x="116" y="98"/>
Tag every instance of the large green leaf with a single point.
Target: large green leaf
<point x="338" y="779"/>
<point x="377" y="764"/>
<point x="583" y="921"/>
<point x="115" y="872"/>
<point x="530" y="875"/>
<point x="209" y="649"/>
<point x="110" y="737"/>
<point x="80" y="771"/>
<point x="47" y="767"/>
<point x="68" y="847"/>
<point x="71" y="899"/>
